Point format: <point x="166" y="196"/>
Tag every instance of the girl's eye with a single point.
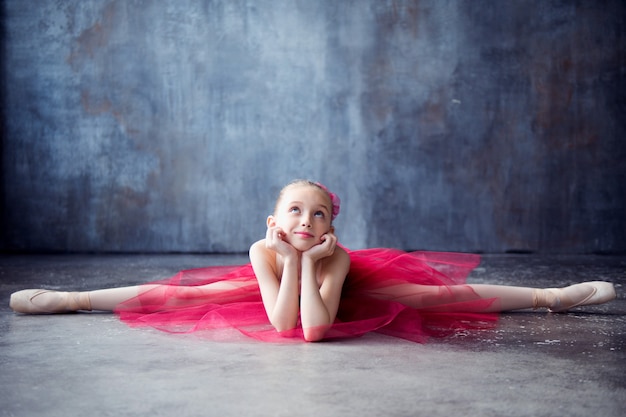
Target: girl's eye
<point x="319" y="214"/>
<point x="294" y="210"/>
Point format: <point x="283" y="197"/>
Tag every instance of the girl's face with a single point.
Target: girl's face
<point x="304" y="215"/>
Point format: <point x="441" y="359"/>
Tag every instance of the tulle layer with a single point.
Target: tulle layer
<point x="410" y="295"/>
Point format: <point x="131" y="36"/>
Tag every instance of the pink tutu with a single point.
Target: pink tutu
<point x="401" y="294"/>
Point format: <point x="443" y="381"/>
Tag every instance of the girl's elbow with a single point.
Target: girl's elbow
<point x="283" y="329"/>
<point x="282" y="326"/>
<point x="315" y="334"/>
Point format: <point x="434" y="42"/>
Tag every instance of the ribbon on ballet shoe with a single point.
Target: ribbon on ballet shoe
<point x="544" y="298"/>
<point x="78" y="301"/>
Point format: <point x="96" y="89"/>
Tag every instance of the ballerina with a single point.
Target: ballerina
<point x="301" y="284"/>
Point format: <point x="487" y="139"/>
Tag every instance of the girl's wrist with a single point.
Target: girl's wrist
<point x="307" y="259"/>
<point x="290" y="260"/>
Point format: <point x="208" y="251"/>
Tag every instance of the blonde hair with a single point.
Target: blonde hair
<point x="303" y="183"/>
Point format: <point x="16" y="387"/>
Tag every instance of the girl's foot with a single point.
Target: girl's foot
<point x="48" y="301"/>
<point x="562" y="299"/>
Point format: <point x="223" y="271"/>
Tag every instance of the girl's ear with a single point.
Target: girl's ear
<point x="332" y="229"/>
<point x="271" y="222"/>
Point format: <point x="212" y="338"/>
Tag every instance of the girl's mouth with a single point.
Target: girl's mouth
<point x="305" y="235"/>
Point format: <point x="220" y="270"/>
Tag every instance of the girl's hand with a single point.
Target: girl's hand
<point x="274" y="241"/>
<point x="324" y="249"/>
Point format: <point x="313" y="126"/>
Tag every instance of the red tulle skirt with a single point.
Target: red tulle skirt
<point x="410" y="295"/>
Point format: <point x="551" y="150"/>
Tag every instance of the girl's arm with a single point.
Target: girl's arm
<point x="319" y="304"/>
<point x="280" y="296"/>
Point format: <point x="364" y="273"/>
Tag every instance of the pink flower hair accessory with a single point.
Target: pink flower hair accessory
<point x="334" y="199"/>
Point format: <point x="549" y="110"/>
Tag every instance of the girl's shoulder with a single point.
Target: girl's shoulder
<point x="341" y="253"/>
<point x="261" y="257"/>
<point x="340" y="258"/>
<point x="258" y="245"/>
<point x="258" y="249"/>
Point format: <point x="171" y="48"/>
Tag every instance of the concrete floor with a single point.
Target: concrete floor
<point x="532" y="364"/>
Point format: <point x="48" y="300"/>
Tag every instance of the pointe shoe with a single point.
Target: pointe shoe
<point x="49" y="302"/>
<point x="598" y="292"/>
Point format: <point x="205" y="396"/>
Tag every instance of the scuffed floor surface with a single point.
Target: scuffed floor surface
<point x="532" y="364"/>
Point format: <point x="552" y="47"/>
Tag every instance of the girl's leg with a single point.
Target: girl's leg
<point x="455" y="297"/>
<point x="510" y="298"/>
<point x="555" y="299"/>
<point x="48" y="301"/>
<point x="506" y="298"/>
<point x="108" y="299"/>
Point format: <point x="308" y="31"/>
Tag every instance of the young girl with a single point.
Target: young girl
<point x="301" y="284"/>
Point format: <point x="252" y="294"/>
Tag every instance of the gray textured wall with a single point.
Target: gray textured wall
<point x="443" y="125"/>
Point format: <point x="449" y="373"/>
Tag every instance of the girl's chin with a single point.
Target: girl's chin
<point x="302" y="248"/>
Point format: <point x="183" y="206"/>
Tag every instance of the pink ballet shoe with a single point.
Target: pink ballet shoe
<point x="49" y="302"/>
<point x="562" y="299"/>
